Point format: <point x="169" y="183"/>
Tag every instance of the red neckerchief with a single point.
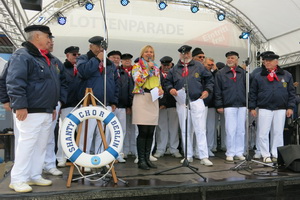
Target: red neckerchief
<point x="128" y="70"/>
<point x="44" y="54"/>
<point x="164" y="73"/>
<point x="272" y="75"/>
<point x="75" y="70"/>
<point x="185" y="70"/>
<point x="234" y="73"/>
<point x="101" y="67"/>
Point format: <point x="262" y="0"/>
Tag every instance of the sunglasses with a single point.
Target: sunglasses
<point x="210" y="65"/>
<point x="76" y="54"/>
<point x="201" y="56"/>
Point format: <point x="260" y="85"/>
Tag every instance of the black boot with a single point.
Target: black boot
<point x="141" y="142"/>
<point x="148" y="152"/>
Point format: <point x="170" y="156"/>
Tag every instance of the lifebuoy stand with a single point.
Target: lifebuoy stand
<point x="89" y="98"/>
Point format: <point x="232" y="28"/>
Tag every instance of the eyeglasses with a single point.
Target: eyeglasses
<point x="201" y="56"/>
<point x="76" y="54"/>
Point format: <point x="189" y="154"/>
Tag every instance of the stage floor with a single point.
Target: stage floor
<point x="223" y="181"/>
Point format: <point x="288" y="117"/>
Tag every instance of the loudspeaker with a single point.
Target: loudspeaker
<point x="32" y="4"/>
<point x="289" y="157"/>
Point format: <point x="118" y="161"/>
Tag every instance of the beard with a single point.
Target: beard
<point x="186" y="60"/>
<point x="231" y="64"/>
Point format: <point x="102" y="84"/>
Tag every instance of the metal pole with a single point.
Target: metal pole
<point x="247" y="95"/>
<point x="104" y="53"/>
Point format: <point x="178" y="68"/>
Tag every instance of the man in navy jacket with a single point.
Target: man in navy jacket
<point x="273" y="92"/>
<point x="92" y="71"/>
<point x="230" y="99"/>
<point x="200" y="84"/>
<point x="31" y="79"/>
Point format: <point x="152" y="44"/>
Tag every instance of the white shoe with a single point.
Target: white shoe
<point x="229" y="158"/>
<point x="153" y="159"/>
<point x="274" y="159"/>
<point x="136" y="160"/>
<point x="206" y="162"/>
<point x="214" y="150"/>
<point x="121" y="160"/>
<point x="40" y="182"/>
<point x="53" y="171"/>
<point x="87" y="169"/>
<point x="158" y="155"/>
<point x="210" y="153"/>
<point x="61" y="164"/>
<point x="267" y="160"/>
<point x="240" y="157"/>
<point x="20" y="187"/>
<point x="257" y="156"/>
<point x="177" y="155"/>
<point x="190" y="160"/>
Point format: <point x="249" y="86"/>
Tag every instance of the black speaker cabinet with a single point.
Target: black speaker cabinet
<point x="32" y="4"/>
<point x="289" y="157"/>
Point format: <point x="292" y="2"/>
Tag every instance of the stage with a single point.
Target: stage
<point x="223" y="182"/>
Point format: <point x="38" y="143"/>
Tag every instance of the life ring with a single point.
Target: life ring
<point x="76" y="155"/>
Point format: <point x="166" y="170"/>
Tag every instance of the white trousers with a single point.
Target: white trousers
<point x="235" y="119"/>
<point x="196" y="122"/>
<point x="50" y="158"/>
<point x="121" y="115"/>
<point x="223" y="131"/>
<point x="211" y="133"/>
<point x="257" y="151"/>
<point x="60" y="155"/>
<point x="34" y="133"/>
<point x="270" y="122"/>
<point x="130" y="136"/>
<point x="167" y="131"/>
<point x="16" y="132"/>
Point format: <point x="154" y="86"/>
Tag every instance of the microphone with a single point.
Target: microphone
<point x="150" y="60"/>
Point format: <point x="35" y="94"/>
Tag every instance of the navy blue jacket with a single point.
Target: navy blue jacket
<point x="272" y="95"/>
<point x="229" y="93"/>
<point x="61" y="73"/>
<point x="254" y="72"/>
<point x="168" y="100"/>
<point x="73" y="83"/>
<point x="3" y="91"/>
<point x="125" y="83"/>
<point x="210" y="100"/>
<point x="31" y="82"/>
<point x="199" y="79"/>
<point x="88" y="71"/>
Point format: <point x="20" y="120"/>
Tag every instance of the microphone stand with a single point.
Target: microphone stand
<point x="187" y="108"/>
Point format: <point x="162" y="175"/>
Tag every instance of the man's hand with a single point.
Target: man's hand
<point x="160" y="91"/>
<point x="6" y="106"/>
<point x="21" y="114"/>
<point x="53" y="115"/>
<point x="100" y="56"/>
<point x="173" y="92"/>
<point x="253" y="113"/>
<point x="162" y="107"/>
<point x="128" y="111"/>
<point x="204" y="95"/>
<point x="289" y="112"/>
<point x="113" y="107"/>
<point x="220" y="110"/>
